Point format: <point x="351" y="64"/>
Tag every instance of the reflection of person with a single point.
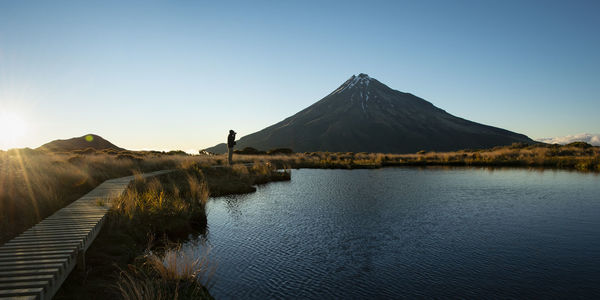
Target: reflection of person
<point x="230" y="144"/>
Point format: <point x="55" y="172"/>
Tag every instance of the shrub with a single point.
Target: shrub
<point x="177" y="152"/>
<point x="582" y="145"/>
<point x="249" y="151"/>
<point x="285" y="151"/>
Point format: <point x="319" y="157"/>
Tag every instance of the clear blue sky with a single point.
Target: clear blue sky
<point x="180" y="74"/>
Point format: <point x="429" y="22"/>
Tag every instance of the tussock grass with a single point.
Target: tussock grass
<point x="171" y="204"/>
<point x="240" y="179"/>
<point x="34" y="184"/>
<point x="174" y="275"/>
<point x="575" y="156"/>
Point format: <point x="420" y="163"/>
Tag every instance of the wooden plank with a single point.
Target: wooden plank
<point x="47" y="225"/>
<point x="30" y="272"/>
<point x="68" y="222"/>
<point x="57" y="236"/>
<point x="42" y="243"/>
<point x="24" y="284"/>
<point x="24" y="262"/>
<point x="19" y="298"/>
<point x="49" y="278"/>
<point x="53" y="231"/>
<point x="14" y="243"/>
<point x="61" y="222"/>
<point x="36" y="257"/>
<point x="31" y="267"/>
<point x="66" y="219"/>
<point x="8" y="248"/>
<point x="34" y="252"/>
<point x="22" y="292"/>
<point x="66" y="227"/>
<point x="38" y="248"/>
<point x="46" y="240"/>
<point x="81" y="213"/>
<point x="77" y="218"/>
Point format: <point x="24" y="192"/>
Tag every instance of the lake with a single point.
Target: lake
<point x="409" y="232"/>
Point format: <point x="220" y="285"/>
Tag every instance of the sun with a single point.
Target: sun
<point x="12" y="128"/>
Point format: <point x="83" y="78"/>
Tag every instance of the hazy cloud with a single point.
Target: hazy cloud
<point x="593" y="139"/>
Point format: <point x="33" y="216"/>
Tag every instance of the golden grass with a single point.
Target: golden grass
<point x="35" y="184"/>
<point x="176" y="264"/>
<point x="169" y="204"/>
<point x="174" y="275"/>
<point x="240" y="179"/>
<point x="576" y="156"/>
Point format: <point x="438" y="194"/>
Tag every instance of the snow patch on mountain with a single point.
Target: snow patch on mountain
<point x="592" y="139"/>
<point x="361" y="81"/>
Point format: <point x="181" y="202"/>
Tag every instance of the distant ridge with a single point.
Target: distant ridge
<point x="592" y="139"/>
<point x="365" y="115"/>
<point x="79" y="143"/>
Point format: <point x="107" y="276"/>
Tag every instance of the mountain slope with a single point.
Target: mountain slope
<point x="364" y="114"/>
<point x="79" y="143"/>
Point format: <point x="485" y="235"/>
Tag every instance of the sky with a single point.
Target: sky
<point x="168" y="75"/>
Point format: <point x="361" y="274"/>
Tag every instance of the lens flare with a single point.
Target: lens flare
<point x="12" y="128"/>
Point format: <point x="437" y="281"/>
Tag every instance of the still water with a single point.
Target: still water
<point x="409" y="232"/>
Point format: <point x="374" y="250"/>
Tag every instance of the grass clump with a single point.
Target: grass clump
<point x="174" y="275"/>
<point x="240" y="179"/>
<point x="169" y="204"/>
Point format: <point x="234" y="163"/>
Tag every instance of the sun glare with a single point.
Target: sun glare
<point x="12" y="128"/>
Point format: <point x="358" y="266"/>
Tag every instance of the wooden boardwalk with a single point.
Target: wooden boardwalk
<point x="36" y="263"/>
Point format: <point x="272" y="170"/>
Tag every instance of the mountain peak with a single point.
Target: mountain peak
<point x="360" y="78"/>
<point x="365" y="115"/>
<point x="361" y="81"/>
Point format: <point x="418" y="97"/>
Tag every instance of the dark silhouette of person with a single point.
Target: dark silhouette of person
<point x="230" y="144"/>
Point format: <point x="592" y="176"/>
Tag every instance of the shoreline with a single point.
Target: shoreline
<point x="576" y="156"/>
<point x="127" y="245"/>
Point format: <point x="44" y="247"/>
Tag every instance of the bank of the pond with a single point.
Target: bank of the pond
<point x="575" y="156"/>
<point x="136" y="252"/>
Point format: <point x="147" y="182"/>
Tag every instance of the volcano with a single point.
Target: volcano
<point x="365" y="115"/>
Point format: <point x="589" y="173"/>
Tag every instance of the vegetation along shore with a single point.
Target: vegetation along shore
<point x="137" y="256"/>
<point x="575" y="156"/>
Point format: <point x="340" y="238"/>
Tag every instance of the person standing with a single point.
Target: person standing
<point x="230" y="144"/>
